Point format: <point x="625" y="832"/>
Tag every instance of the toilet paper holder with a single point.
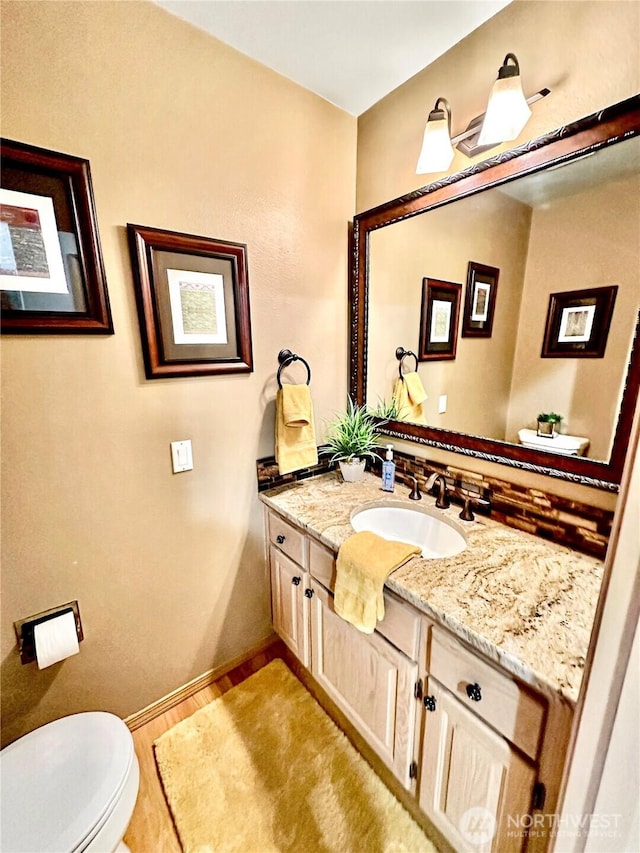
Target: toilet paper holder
<point x="24" y="628"/>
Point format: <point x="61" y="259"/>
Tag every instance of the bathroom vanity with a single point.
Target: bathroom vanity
<point x="466" y="689"/>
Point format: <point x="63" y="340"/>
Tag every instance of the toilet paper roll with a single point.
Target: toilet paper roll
<point x="55" y="639"/>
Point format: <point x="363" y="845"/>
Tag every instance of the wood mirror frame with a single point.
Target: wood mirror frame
<point x="607" y="127"/>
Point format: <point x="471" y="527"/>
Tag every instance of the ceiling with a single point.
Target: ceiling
<point x="350" y="52"/>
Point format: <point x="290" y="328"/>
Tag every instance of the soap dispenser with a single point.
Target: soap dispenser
<point x="388" y="470"/>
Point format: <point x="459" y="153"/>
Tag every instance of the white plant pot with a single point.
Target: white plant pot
<point x="352" y="471"/>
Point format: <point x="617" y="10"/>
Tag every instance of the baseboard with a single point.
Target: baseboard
<point x="155" y="709"/>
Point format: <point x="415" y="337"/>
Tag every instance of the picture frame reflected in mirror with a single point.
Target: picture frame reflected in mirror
<point x="578" y="323"/>
<point x="480" y="300"/>
<point x="439" y="319"/>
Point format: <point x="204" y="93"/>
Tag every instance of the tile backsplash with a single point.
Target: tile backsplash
<point x="577" y="525"/>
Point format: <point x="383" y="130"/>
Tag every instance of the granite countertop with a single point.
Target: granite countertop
<point x="524" y="602"/>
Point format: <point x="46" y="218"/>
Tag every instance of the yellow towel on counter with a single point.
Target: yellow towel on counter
<point x="365" y="560"/>
<point x="407" y="409"/>
<point x="295" y="439"/>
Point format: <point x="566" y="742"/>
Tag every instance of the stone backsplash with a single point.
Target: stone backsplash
<point x="578" y="525"/>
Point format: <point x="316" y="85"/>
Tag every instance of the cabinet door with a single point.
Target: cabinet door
<point x="473" y="785"/>
<point x="369" y="680"/>
<point x="290" y="606"/>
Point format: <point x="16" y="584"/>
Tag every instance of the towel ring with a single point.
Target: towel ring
<point x="401" y="354"/>
<point x="286" y="357"/>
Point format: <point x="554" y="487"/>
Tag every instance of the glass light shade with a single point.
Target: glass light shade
<point x="507" y="112"/>
<point x="437" y="152"/>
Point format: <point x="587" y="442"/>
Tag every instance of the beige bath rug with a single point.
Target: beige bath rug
<point x="264" y="769"/>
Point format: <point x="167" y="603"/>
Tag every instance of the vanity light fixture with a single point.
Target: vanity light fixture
<point x="437" y="151"/>
<point x="507" y="110"/>
<point x="507" y="113"/>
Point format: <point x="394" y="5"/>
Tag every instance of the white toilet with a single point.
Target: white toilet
<point x="69" y="786"/>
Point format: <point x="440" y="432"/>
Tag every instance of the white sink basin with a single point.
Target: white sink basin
<point x="438" y="537"/>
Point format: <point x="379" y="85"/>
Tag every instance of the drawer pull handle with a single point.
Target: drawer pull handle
<point x="296" y="581"/>
<point x="308" y="592"/>
<point x="280" y="539"/>
<point x="473" y="692"/>
<point x="430" y="703"/>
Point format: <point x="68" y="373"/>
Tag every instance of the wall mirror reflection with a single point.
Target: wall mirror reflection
<point x="572" y="225"/>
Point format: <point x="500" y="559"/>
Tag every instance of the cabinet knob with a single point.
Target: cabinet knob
<point x="296" y="581"/>
<point x="308" y="592"/>
<point x="430" y="703"/>
<point x="280" y="538"/>
<point x="473" y="692"/>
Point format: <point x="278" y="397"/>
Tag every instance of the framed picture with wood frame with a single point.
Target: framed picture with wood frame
<point x="52" y="277"/>
<point x="439" y="319"/>
<point x="193" y="303"/>
<point x="480" y="300"/>
<point x="578" y="322"/>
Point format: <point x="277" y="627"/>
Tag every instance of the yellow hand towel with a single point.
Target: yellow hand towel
<point x="295" y="439"/>
<point x="365" y="560"/>
<point x="297" y="409"/>
<point x="415" y="388"/>
<point x="407" y="411"/>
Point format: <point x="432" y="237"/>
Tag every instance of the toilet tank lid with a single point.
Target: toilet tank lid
<point x="59" y="781"/>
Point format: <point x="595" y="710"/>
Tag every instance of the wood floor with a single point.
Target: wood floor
<point x="151" y="829"/>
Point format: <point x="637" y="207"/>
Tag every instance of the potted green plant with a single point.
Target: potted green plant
<point x="547" y="423"/>
<point x="352" y="438"/>
<point x="387" y="409"/>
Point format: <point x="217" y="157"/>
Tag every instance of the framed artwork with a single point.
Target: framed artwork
<point x="439" y="319"/>
<point x="578" y="323"/>
<point x="51" y="271"/>
<point x="193" y="303"/>
<point x="480" y="300"/>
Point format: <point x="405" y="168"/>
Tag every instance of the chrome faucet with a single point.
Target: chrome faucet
<point x="442" y="501"/>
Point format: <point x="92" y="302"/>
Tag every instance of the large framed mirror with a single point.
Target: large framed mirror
<point x="554" y="226"/>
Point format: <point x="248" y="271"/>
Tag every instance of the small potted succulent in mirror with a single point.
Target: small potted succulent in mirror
<point x="548" y="424"/>
<point x="352" y="438"/>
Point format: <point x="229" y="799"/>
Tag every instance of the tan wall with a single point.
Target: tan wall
<point x="439" y="246"/>
<point x="587" y="53"/>
<point x="186" y="134"/>
<point x="588" y="240"/>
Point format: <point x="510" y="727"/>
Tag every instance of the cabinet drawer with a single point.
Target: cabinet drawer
<point x="401" y="625"/>
<point x="322" y="564"/>
<point x="500" y="700"/>
<point x="288" y="539"/>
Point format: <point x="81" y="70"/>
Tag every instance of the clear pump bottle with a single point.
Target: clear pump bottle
<point x="388" y="470"/>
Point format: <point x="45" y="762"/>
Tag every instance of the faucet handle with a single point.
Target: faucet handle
<point x="471" y="500"/>
<point x="415" y="494"/>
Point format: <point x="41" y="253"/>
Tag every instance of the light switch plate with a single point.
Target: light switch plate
<point x="442" y="404"/>
<point x="181" y="456"/>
